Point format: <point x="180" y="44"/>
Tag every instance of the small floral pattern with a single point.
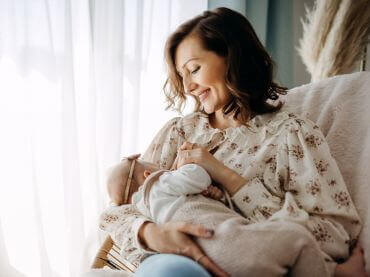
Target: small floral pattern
<point x="233" y="146"/>
<point x="266" y="211"/>
<point x="321" y="234"/>
<point x="342" y="198"/>
<point x="313" y="141"/>
<point x="247" y="199"/>
<point x="318" y="209"/>
<point x="321" y="166"/>
<point x="276" y="154"/>
<point x="110" y="218"/>
<point x="271" y="162"/>
<point x="313" y="187"/>
<point x="253" y="150"/>
<point x="297" y="152"/>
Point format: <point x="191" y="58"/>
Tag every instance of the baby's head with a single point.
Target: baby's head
<point x="125" y="178"/>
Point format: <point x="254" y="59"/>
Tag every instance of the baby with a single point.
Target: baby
<point x="178" y="195"/>
<point x="126" y="178"/>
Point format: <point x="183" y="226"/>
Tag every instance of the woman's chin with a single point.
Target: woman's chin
<point x="208" y="110"/>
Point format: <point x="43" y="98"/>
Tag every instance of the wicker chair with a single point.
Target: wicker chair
<point x="109" y="255"/>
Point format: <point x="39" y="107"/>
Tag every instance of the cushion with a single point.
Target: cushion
<point x="340" y="106"/>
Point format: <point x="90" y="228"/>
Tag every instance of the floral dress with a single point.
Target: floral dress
<point x="289" y="172"/>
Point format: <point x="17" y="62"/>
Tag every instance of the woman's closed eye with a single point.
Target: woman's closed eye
<point x="195" y="70"/>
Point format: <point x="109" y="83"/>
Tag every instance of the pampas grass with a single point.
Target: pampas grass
<point x="334" y="35"/>
<point x="315" y="30"/>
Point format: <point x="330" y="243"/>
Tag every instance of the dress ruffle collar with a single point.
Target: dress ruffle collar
<point x="197" y="125"/>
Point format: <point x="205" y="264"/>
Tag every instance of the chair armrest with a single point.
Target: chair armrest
<point x="108" y="255"/>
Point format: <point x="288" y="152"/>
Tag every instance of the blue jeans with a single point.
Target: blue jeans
<point x="169" y="265"/>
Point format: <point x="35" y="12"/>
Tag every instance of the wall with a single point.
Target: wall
<point x="300" y="74"/>
<point x="278" y="26"/>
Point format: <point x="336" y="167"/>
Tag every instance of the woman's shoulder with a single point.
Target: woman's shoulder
<point x="282" y="121"/>
<point x="172" y="122"/>
<point x="192" y="118"/>
<point x="193" y="123"/>
<point x="187" y="125"/>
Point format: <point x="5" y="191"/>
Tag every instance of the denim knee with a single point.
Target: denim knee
<point x="169" y="265"/>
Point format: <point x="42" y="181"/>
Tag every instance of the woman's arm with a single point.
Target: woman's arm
<point x="123" y="222"/>
<point x="136" y="234"/>
<point x="314" y="179"/>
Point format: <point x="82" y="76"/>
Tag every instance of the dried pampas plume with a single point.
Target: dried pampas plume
<point x="334" y="34"/>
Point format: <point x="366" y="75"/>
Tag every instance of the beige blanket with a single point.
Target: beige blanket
<point x="268" y="248"/>
<point x="341" y="107"/>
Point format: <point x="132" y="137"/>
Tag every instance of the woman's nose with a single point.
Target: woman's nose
<point x="189" y="85"/>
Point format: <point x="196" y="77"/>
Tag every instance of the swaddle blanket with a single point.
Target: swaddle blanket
<point x="267" y="248"/>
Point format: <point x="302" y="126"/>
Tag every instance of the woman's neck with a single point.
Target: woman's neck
<point x="220" y="121"/>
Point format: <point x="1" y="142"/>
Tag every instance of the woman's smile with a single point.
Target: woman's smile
<point x="204" y="95"/>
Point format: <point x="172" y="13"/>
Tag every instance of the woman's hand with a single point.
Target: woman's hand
<point x="173" y="237"/>
<point x="354" y="266"/>
<point x="191" y="153"/>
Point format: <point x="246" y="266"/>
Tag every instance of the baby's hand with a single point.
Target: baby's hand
<point x="213" y="192"/>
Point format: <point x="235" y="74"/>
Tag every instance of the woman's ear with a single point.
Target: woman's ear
<point x="146" y="173"/>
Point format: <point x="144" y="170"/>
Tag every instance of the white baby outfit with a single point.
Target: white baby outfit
<point x="170" y="192"/>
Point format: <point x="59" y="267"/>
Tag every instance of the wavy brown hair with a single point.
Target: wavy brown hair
<point x="249" y="68"/>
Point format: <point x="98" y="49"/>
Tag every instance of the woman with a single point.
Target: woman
<point x="258" y="152"/>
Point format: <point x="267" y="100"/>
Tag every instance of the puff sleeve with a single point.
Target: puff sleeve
<point x="315" y="192"/>
<point x="301" y="182"/>
<point x="163" y="149"/>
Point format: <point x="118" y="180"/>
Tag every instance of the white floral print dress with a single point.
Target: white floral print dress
<point x="289" y="171"/>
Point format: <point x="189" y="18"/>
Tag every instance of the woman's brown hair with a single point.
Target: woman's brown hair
<point x="249" y="73"/>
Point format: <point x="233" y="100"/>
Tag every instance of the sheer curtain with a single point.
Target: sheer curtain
<point x="80" y="86"/>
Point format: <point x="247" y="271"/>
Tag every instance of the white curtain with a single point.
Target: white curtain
<point x="80" y="86"/>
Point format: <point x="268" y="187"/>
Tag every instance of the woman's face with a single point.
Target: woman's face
<point x="203" y="74"/>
